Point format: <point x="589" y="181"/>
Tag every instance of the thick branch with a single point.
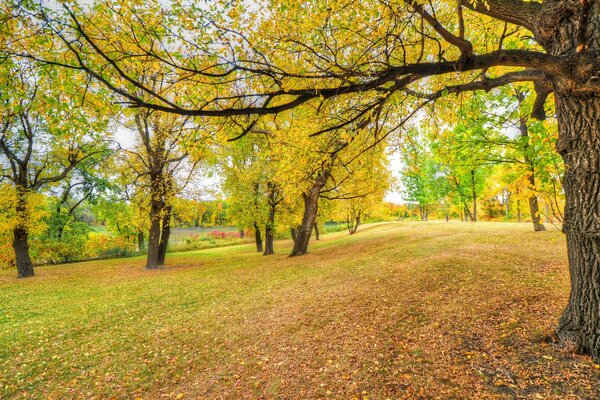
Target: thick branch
<point x="514" y="11"/>
<point x="484" y="84"/>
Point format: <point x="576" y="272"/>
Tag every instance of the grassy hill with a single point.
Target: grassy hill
<point x="404" y="310"/>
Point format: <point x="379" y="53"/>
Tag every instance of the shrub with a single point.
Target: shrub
<point x="103" y="246"/>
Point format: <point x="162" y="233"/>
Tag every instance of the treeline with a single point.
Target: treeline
<point x="492" y="162"/>
<point x="85" y="160"/>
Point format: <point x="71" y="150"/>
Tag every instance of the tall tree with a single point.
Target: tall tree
<point x="161" y="149"/>
<point x="45" y="133"/>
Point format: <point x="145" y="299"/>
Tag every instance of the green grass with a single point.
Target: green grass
<point x="397" y="310"/>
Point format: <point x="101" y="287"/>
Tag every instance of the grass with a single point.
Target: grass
<point x="403" y="310"/>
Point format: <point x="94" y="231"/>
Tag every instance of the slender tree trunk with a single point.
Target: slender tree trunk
<point x="21" y="235"/>
<point x="316" y="231"/>
<point x="579" y="145"/>
<point x="357" y="221"/>
<point x="269" y="236"/>
<point x="258" y="238"/>
<point x="294" y="233"/>
<point x="536" y="218"/>
<point x="519" y="210"/>
<point x="164" y="235"/>
<point x="140" y="240"/>
<point x="468" y="215"/>
<point x="311" y="204"/>
<point x="474" y="215"/>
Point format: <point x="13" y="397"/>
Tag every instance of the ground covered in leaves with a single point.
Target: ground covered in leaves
<point x="404" y="310"/>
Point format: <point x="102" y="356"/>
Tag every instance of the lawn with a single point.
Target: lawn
<point x="403" y="310"/>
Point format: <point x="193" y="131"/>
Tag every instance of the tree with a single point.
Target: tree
<point x="159" y="154"/>
<point x="419" y="175"/>
<point x="250" y="169"/>
<point x="389" y="46"/>
<point x="45" y="133"/>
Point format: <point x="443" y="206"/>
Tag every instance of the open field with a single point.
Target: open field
<point x="403" y="310"/>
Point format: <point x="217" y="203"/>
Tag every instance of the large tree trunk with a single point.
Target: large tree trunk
<point x="164" y="235"/>
<point x="258" y="238"/>
<point x="579" y="145"/>
<point x="311" y="205"/>
<point x="21" y="248"/>
<point x="21" y="236"/>
<point x="154" y="234"/>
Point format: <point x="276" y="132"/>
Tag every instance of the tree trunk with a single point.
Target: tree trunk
<point x="316" y="231"/>
<point x="164" y="236"/>
<point x="21" y="247"/>
<point x="468" y="214"/>
<point x="294" y="233"/>
<point x="579" y="145"/>
<point x="536" y="217"/>
<point x="269" y="233"/>
<point x="357" y="221"/>
<point x="533" y="199"/>
<point x="140" y="240"/>
<point x="154" y="235"/>
<point x="258" y="238"/>
<point x="21" y="235"/>
<point x="519" y="210"/>
<point x="474" y="215"/>
<point x="311" y="205"/>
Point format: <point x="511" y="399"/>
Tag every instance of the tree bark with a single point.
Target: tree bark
<point x="579" y="145"/>
<point x="311" y="204"/>
<point x="269" y="236"/>
<point x="294" y="233"/>
<point x="21" y="235"/>
<point x="164" y="235"/>
<point x="316" y="231"/>
<point x="258" y="239"/>
<point x="21" y="249"/>
<point x="154" y="234"/>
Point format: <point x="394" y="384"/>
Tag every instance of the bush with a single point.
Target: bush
<point x="103" y="246"/>
<point x="63" y="241"/>
<point x="216" y="234"/>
